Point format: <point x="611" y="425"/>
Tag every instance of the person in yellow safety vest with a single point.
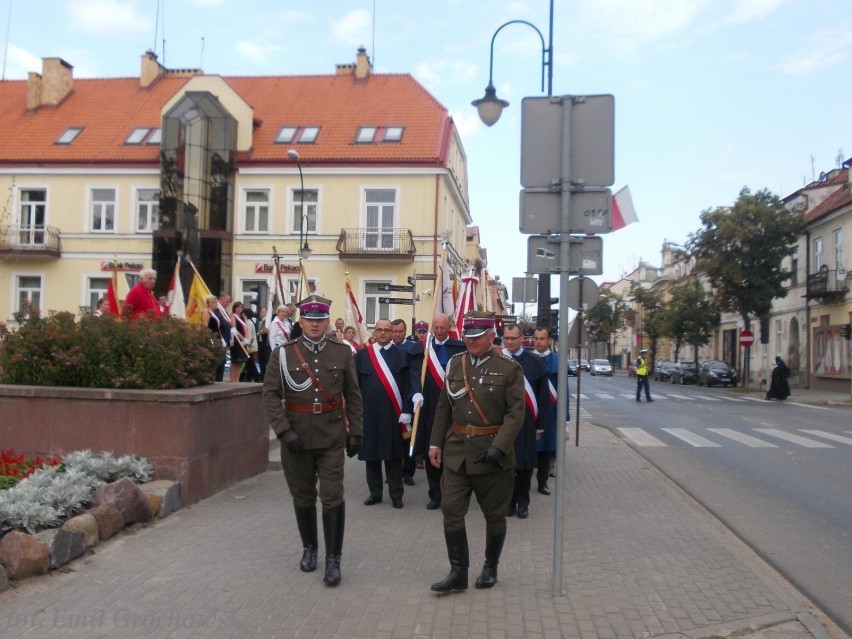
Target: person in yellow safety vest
<point x="642" y="376"/>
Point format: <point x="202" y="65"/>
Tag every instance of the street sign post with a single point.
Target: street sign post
<point x="583" y="294"/>
<point x="746" y="338"/>
<point x="400" y="288"/>
<point x="590" y="212"/>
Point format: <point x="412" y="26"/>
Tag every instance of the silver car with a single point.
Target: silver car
<point x="601" y="367"/>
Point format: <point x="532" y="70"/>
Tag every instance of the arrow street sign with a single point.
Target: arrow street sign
<point x="395" y="300"/>
<point x="401" y="288"/>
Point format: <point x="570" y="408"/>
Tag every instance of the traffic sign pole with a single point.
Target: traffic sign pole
<point x="746" y="340"/>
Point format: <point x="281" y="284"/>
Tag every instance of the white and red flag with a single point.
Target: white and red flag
<point x="177" y="306"/>
<point x="623" y="212"/>
<point x="467" y="300"/>
<point x="352" y="315"/>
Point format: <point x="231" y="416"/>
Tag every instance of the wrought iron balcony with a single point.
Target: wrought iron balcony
<point x="825" y="288"/>
<point x="376" y="244"/>
<point x="35" y="241"/>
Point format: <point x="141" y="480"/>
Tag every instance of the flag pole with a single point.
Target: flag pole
<point x="435" y="292"/>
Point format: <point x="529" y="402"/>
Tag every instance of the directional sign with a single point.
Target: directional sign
<point x="395" y="300"/>
<point x="746" y="338"/>
<point x="401" y="288"/>
<point x="425" y="276"/>
<point x="589" y="212"/>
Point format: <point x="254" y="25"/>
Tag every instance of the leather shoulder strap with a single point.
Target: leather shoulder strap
<point x="470" y="392"/>
<point x="311" y="374"/>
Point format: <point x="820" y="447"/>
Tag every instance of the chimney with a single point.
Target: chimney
<point x="361" y="69"/>
<point x="150" y="69"/>
<point x="52" y="86"/>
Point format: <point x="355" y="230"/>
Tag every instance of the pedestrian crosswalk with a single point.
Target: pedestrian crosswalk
<point x="678" y="396"/>
<point x="751" y="438"/>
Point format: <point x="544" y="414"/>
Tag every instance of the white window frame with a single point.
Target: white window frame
<point x="291" y="285"/>
<point x="286" y="134"/>
<point x="311" y="211"/>
<point x="256" y="207"/>
<point x="17" y="297"/>
<point x="69" y="135"/>
<point x="366" y="134"/>
<point x="818" y="247"/>
<point x="152" y="210"/>
<point x="373" y="310"/>
<point x="393" y="134"/>
<point x="379" y="236"/>
<point x="100" y="208"/>
<point x="308" y="134"/>
<point x="246" y="296"/>
<point x="93" y="293"/>
<point x="838" y="248"/>
<point x="31" y="232"/>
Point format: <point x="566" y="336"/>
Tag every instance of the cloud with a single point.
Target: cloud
<point x="436" y="72"/>
<point x="354" y="28"/>
<point x="824" y="49"/>
<point x="467" y="122"/>
<point x="20" y="62"/>
<point x="748" y="10"/>
<point x="113" y="18"/>
<point x="255" y="51"/>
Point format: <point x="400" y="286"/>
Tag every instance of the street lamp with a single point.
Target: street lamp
<point x="304" y="249"/>
<point x="490" y="107"/>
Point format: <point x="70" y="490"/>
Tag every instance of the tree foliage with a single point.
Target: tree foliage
<point x="740" y="250"/>
<point x="652" y="314"/>
<point x="690" y="318"/>
<point x="606" y="319"/>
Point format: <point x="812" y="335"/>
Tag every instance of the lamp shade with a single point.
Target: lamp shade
<point x="490" y="107"/>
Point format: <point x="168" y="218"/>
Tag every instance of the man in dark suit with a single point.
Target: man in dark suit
<point x="479" y="414"/>
<point x="415" y="349"/>
<point x="537" y="417"/>
<point x="304" y="389"/>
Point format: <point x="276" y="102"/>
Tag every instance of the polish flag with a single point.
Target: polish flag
<point x="467" y="301"/>
<point x="177" y="307"/>
<point x="622" y="209"/>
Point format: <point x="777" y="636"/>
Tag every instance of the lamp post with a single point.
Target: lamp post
<point x="304" y="249"/>
<point x="490" y="108"/>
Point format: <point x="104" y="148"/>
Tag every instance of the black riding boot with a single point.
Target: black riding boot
<point x="306" y="519"/>
<point x="493" y="547"/>
<point x="332" y="528"/>
<point x="459" y="561"/>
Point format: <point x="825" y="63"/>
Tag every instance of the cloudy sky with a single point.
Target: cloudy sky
<point x="710" y="95"/>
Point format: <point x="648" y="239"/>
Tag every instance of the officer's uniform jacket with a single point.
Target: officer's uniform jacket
<point x="286" y="382"/>
<point x="497" y="383"/>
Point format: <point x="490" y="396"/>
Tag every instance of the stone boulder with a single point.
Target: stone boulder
<point x="4" y="579"/>
<point x="168" y="493"/>
<point x="127" y="498"/>
<point x="64" y="545"/>
<point x="84" y="523"/>
<point x="109" y="520"/>
<point x="23" y="555"/>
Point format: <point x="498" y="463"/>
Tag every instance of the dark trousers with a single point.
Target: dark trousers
<point x="544" y="458"/>
<point x="433" y="476"/>
<point x="393" y="470"/>
<point x="493" y="492"/>
<point x="642" y="380"/>
<point x="521" y="493"/>
<point x="409" y="466"/>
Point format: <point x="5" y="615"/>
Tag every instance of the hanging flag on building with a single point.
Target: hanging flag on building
<point x="623" y="212"/>
<point x="177" y="307"/>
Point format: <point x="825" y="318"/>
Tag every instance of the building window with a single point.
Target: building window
<point x="33" y="207"/>
<point x="311" y="199"/>
<point x="393" y="134"/>
<point x="69" y="135"/>
<point x="137" y="135"/>
<point x="257" y="211"/>
<point x="366" y="134"/>
<point x="97" y="290"/>
<point x="308" y="135"/>
<point x="294" y="293"/>
<point x="156" y="136"/>
<point x="249" y="296"/>
<point x="838" y="248"/>
<point x="28" y="291"/>
<point x="286" y="134"/>
<point x="103" y="210"/>
<point x="147" y="210"/>
<point x="818" y="259"/>
<point x="373" y="309"/>
<point x="381" y="213"/>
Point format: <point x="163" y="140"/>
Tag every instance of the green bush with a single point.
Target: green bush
<point x="108" y="352"/>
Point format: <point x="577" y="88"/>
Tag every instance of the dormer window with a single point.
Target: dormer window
<point x="156" y="136"/>
<point x="366" y="135"/>
<point x="69" y="135"/>
<point x="393" y="134"/>
<point x="297" y="134"/>
<point x="286" y="135"/>
<point x="137" y="135"/>
<point x="308" y="135"/>
<point x="371" y="134"/>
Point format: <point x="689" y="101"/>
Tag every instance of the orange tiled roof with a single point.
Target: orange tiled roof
<point x="837" y="200"/>
<point x="110" y="109"/>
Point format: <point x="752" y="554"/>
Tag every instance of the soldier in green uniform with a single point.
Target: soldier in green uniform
<point x="480" y="412"/>
<point x="310" y="383"/>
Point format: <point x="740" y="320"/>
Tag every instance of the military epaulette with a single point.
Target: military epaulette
<point x="292" y="341"/>
<point x="458" y="355"/>
<point x="508" y="358"/>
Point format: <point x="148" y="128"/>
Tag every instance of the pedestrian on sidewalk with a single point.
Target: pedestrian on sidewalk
<point x="642" y="376"/>
<point x="479" y="414"/>
<point x="546" y="442"/>
<point x="779" y="387"/>
<point x="305" y="406"/>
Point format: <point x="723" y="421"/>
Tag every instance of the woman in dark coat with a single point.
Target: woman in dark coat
<point x="779" y="388"/>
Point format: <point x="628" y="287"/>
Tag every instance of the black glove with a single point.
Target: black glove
<point x="493" y="456"/>
<point x="353" y="445"/>
<point x="291" y="441"/>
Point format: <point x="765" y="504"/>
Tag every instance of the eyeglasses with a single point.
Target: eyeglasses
<point x="382" y="330"/>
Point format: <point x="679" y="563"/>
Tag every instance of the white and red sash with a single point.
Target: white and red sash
<point x="529" y="395"/>
<point x="433" y="364"/>
<point x="219" y="328"/>
<point x="386" y="378"/>
<point x="552" y="392"/>
<point x="284" y="329"/>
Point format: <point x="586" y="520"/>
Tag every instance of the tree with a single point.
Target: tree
<point x="740" y="250"/>
<point x="652" y="315"/>
<point x="605" y="319"/>
<point x="689" y="316"/>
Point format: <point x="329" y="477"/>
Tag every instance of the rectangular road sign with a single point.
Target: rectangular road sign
<point x="425" y="276"/>
<point x="585" y="256"/>
<point x="400" y="288"/>
<point x="590" y="213"/>
<point x="395" y="300"/>
<point x="542" y="254"/>
<point x="592" y="141"/>
<point x="525" y="290"/>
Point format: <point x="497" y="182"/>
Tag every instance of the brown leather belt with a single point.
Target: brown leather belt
<point x="474" y="431"/>
<point x="316" y="408"/>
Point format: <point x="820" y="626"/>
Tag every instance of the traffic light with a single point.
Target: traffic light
<point x="499" y="324"/>
<point x="764" y="329"/>
<point x="554" y="323"/>
<point x="262" y="294"/>
<point x="846" y="331"/>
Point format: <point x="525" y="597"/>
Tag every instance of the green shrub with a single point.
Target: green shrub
<point x="108" y="352"/>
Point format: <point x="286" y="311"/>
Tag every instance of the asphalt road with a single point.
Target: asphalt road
<point x="778" y="474"/>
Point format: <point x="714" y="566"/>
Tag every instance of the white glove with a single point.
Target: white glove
<point x="417" y="400"/>
<point x="234" y="332"/>
<point x="405" y="418"/>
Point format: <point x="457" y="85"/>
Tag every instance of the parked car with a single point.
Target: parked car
<point x="716" y="372"/>
<point x="631" y="368"/>
<point x="572" y="368"/>
<point x="684" y="373"/>
<point x="584" y="364"/>
<point x="600" y="367"/>
<point x="663" y="371"/>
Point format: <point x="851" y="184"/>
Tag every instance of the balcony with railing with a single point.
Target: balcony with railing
<point x="30" y="241"/>
<point x="825" y="287"/>
<point x="376" y="244"/>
